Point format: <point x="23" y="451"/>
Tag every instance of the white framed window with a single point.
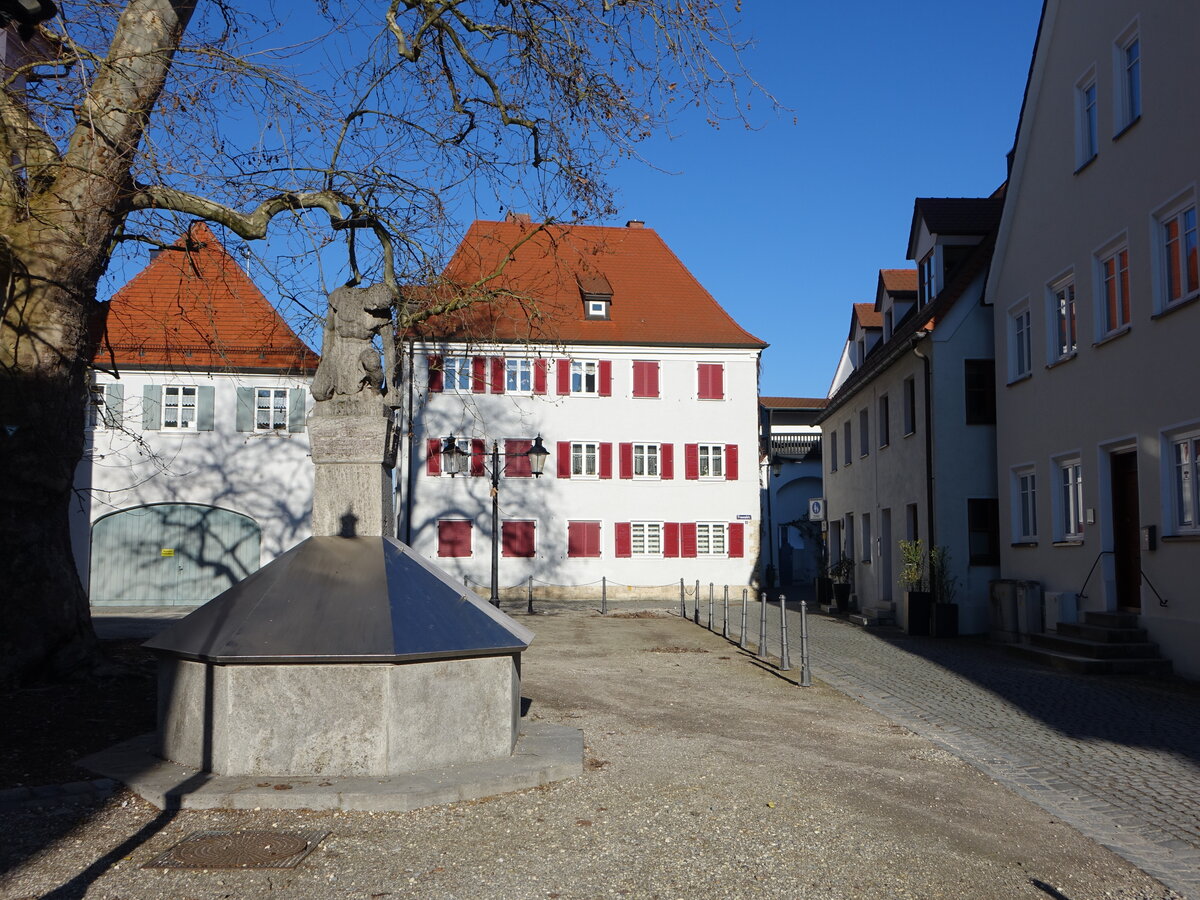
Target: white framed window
<point x="584" y="377"/>
<point x="597" y="309"/>
<point x="105" y="406"/>
<point x="645" y="539"/>
<point x="518" y="376"/>
<point x="846" y="449"/>
<point x="584" y="459"/>
<point x="463" y="445"/>
<point x="646" y="461"/>
<point x="1020" y="342"/>
<point x="1087" y="126"/>
<point x="927" y="286"/>
<point x="864" y="433"/>
<point x="1127" y="78"/>
<point x="710" y="539"/>
<point x="1069" y="499"/>
<point x="884" y="422"/>
<point x="711" y="460"/>
<point x="1024" y="504"/>
<point x="178" y="407"/>
<point x="1185" y="500"/>
<point x="456" y="374"/>
<point x="1060" y="307"/>
<point x="1112" y="294"/>
<point x="271" y="409"/>
<point x="1178" y="253"/>
<point x="833" y="457"/>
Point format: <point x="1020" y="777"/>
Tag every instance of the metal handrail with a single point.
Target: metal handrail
<point x="1150" y="584"/>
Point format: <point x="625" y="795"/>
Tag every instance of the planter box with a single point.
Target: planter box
<point x="945" y="620"/>
<point x="824" y="590"/>
<point x="918" y="607"/>
<point x="841" y="595"/>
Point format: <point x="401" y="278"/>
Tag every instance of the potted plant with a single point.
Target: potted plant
<point x="842" y="572"/>
<point x="918" y="600"/>
<point x="944" y="622"/>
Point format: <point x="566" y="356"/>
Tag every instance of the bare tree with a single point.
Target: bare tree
<point x="122" y="121"/>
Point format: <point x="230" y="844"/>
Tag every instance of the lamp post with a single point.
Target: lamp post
<point x="456" y="459"/>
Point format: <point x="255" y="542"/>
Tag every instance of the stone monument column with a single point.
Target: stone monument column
<point x="352" y="429"/>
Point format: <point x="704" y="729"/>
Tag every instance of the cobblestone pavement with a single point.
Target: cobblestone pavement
<point x="1118" y="758"/>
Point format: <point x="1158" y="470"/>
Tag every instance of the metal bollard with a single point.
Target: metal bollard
<point x="725" y="622"/>
<point x="805" y="674"/>
<point x="682" y="601"/>
<point x="710" y="605"/>
<point x="696" y="611"/>
<point x="742" y="633"/>
<point x="762" y="628"/>
<point x="785" y="661"/>
<point x="529" y="596"/>
<point x="603" y="596"/>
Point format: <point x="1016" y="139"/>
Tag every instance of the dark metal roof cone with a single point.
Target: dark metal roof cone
<point x="344" y="599"/>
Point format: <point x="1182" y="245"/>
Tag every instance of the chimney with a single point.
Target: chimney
<point x="519" y="218"/>
<point x="635" y="223"/>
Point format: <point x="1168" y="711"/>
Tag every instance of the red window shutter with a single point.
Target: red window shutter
<point x="710" y="381"/>
<point x="564" y="377"/>
<point x="691" y="461"/>
<point x="478" y="452"/>
<point x="718" y="382"/>
<point x="564" y="459"/>
<point x="731" y="462"/>
<point x="666" y="461"/>
<point x="625" y="451"/>
<point x="433" y="457"/>
<point x="540" y="370"/>
<point x="516" y="463"/>
<point x="497" y="374"/>
<point x="436" y="375"/>
<point x="645" y="378"/>
<point x="478" y="375"/>
<point x="583" y="539"/>
<point x="736" y="540"/>
<point x="454" y="538"/>
<point x="652" y="379"/>
<point x="671" y="539"/>
<point x="606" y="460"/>
<point x="687" y="539"/>
<point x="516" y="539"/>
<point x="605" y="377"/>
<point x="623" y="539"/>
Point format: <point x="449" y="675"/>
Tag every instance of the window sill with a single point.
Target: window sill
<point x="1181" y="538"/>
<point x="1128" y="126"/>
<point x="1069" y="542"/>
<point x="1065" y="358"/>
<point x="884" y="446"/>
<point x="909" y="434"/>
<point x="1023" y="545"/>
<point x="1025" y="377"/>
<point x="1178" y="304"/>
<point x="1113" y="335"/>
<point x="1087" y="162"/>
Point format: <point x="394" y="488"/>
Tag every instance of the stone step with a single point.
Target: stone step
<point x="873" y="616"/>
<point x="1101" y="632"/>
<point x="1095" y="649"/>
<point x="1111" y="619"/>
<point x="1088" y="665"/>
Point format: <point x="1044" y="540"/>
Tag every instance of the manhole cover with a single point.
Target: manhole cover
<point x="239" y="850"/>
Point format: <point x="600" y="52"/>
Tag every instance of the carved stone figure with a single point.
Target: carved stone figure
<point x="350" y="373"/>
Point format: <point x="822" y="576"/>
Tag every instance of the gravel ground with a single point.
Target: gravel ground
<point x="707" y="776"/>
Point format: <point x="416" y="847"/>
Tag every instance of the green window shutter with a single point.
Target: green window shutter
<point x="114" y="405"/>
<point x="204" y="407"/>
<point x="297" y="401"/>
<point x="245" y="409"/>
<point x="151" y="407"/>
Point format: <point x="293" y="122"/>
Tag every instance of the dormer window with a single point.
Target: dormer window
<point x="596" y="308"/>
<point x="888" y="325"/>
<point x="927" y="278"/>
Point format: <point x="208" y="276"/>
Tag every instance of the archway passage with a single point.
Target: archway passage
<point x="170" y="554"/>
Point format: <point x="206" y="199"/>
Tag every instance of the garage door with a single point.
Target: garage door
<point x="170" y="554"/>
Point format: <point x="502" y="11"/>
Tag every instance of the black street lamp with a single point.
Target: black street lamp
<point x="455" y="460"/>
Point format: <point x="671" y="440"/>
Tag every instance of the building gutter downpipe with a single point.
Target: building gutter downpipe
<point x="928" y="365"/>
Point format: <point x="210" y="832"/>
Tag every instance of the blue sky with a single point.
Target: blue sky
<point x="789" y="224"/>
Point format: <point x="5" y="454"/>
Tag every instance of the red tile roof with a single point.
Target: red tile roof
<point x="792" y="402"/>
<point x="655" y="299"/>
<point x="868" y="316"/>
<point x="193" y="307"/>
<point x="899" y="281"/>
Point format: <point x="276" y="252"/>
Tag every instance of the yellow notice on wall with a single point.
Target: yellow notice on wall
<point x="168" y="551"/>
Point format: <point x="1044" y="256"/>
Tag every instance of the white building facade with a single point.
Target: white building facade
<point x="1095" y="282"/>
<point x="196" y="468"/>
<point x="652" y="474"/>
